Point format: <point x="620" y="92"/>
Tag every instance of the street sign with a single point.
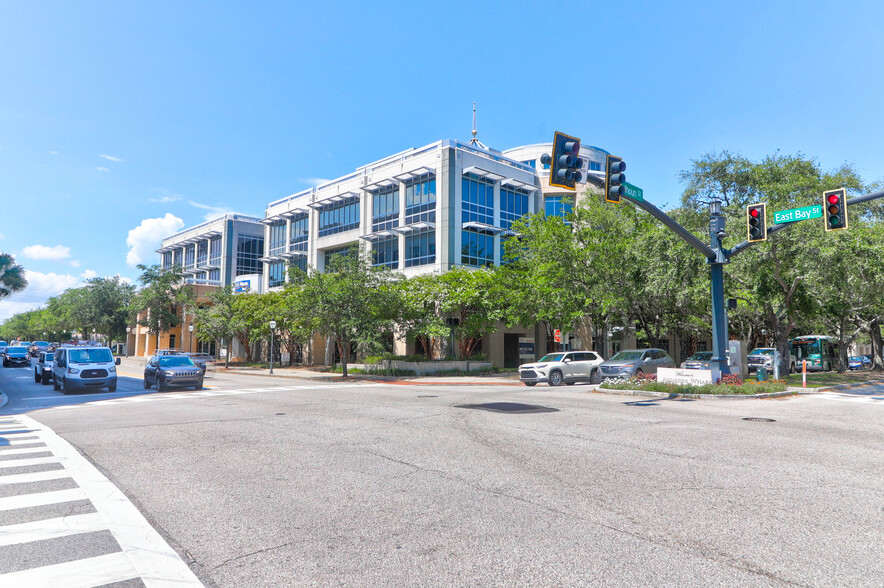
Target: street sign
<point x="634" y="192"/>
<point x="557" y="335"/>
<point x="797" y="214"/>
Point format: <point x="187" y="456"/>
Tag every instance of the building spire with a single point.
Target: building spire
<point x="474" y="141"/>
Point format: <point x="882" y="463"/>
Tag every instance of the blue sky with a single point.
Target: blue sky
<point x="124" y="121"/>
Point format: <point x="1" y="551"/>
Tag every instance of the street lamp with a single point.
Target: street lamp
<point x="272" y="328"/>
<point x="93" y="334"/>
<point x="190" y="328"/>
<point x="128" y="330"/>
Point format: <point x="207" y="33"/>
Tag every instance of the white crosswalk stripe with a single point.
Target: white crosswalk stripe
<point x="844" y="397"/>
<point x="142" y="553"/>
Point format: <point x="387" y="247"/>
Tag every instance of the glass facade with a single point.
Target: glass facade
<point x="215" y="251"/>
<point x="329" y="254"/>
<point x="513" y="206"/>
<point x="420" y="248"/>
<point x="420" y="199"/>
<point x="478" y="200"/>
<point x="558" y="206"/>
<point x="167" y="260"/>
<point x="276" y="273"/>
<point x="340" y="217"/>
<point x="300" y="263"/>
<point x="477" y="248"/>
<point x="386" y="252"/>
<point x="300" y="233"/>
<point x="277" y="238"/>
<point x="385" y="208"/>
<point x="189" y="257"/>
<point x="202" y="253"/>
<point x="248" y="249"/>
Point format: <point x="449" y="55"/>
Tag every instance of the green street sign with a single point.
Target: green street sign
<point x="637" y="193"/>
<point x="798" y="214"/>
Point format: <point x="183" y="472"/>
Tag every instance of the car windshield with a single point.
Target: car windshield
<point x="701" y="356"/>
<point x="2" y="343"/>
<point x="762" y="352"/>
<point x="552" y="357"/>
<point x="627" y="356"/>
<point x="17" y="350"/>
<point x="175" y="361"/>
<point x="49" y="357"/>
<point x="89" y="355"/>
<point x="41" y="343"/>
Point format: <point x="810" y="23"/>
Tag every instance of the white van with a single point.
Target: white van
<point x="84" y="368"/>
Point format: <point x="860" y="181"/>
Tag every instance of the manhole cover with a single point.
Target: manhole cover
<point x="759" y="420"/>
<point x="517" y="407"/>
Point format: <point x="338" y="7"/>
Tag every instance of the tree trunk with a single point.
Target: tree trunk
<point x="583" y="327"/>
<point x="875" y="335"/>
<point x="344" y="351"/>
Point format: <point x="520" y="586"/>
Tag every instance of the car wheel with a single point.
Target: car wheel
<point x="161" y="385"/>
<point x="36" y="377"/>
<point x="64" y="387"/>
<point x="594" y="377"/>
<point x="555" y="378"/>
<point x="530" y="383"/>
<point x="45" y="379"/>
<point x="199" y="386"/>
<point x="146" y="383"/>
<point x="55" y="385"/>
<point x="112" y="387"/>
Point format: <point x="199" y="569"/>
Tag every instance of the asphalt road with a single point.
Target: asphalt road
<point x="268" y="482"/>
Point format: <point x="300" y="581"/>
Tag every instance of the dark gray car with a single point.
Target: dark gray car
<point x="631" y="362"/>
<point x="16" y="356"/>
<point x="166" y="371"/>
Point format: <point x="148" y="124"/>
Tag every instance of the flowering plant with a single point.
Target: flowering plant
<point x="731" y="380"/>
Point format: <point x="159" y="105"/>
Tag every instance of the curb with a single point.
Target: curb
<point x="667" y="395"/>
<point x="848" y="386"/>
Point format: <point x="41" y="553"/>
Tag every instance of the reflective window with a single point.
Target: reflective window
<point x="276" y="274"/>
<point x="513" y="206"/>
<point x="277" y="238"/>
<point x="300" y="233"/>
<point x="420" y="199"/>
<point x="340" y="217"/>
<point x="478" y="200"/>
<point x="386" y="252"/>
<point x="477" y="248"/>
<point x="248" y="249"/>
<point x="385" y="208"/>
<point x="559" y="206"/>
<point x="420" y="248"/>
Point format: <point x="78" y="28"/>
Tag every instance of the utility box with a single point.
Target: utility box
<point x="736" y="354"/>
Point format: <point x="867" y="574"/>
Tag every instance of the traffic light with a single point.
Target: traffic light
<point x="614" y="178"/>
<point x="756" y="222"/>
<point x="835" y="209"/>
<point x="566" y="163"/>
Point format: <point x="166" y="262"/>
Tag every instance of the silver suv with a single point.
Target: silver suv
<point x="631" y="362"/>
<point x="83" y="368"/>
<point x="567" y="367"/>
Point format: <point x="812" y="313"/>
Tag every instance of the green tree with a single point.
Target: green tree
<point x="12" y="276"/>
<point x="160" y="298"/>
<point x="419" y="312"/>
<point x="217" y="322"/>
<point x="468" y="296"/>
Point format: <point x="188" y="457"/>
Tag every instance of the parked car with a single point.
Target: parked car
<point x="701" y="360"/>
<point x="172" y="370"/>
<point x="16" y="355"/>
<point x="859" y="362"/>
<point x="43" y="367"/>
<point x="632" y="362"/>
<point x="202" y="360"/>
<point x="84" y="367"/>
<point x="3" y="346"/>
<point x="169" y="352"/>
<point x="38" y="346"/>
<point x="567" y="367"/>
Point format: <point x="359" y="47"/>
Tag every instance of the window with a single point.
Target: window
<point x="595" y="166"/>
<point x="513" y="206"/>
<point x="477" y="248"/>
<point x="300" y="233"/>
<point x="248" y="249"/>
<point x="215" y="251"/>
<point x="386" y="252"/>
<point x="277" y="238"/>
<point x="478" y="200"/>
<point x="385" y="208"/>
<point x="531" y="162"/>
<point x="215" y="275"/>
<point x="331" y="253"/>
<point x="167" y="260"/>
<point x="340" y="217"/>
<point x="276" y="273"/>
<point x="300" y="263"/>
<point x="202" y="253"/>
<point x="558" y="206"/>
<point x="420" y="199"/>
<point x="420" y="248"/>
<point x="188" y="257"/>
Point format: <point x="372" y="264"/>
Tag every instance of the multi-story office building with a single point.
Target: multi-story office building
<point x="215" y="252"/>
<point x="422" y="210"/>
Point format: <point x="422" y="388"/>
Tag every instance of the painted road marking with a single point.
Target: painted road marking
<point x="4" y="452"/>
<point x="41" y="498"/>
<point x="34" y="477"/>
<point x="80" y="573"/>
<point x="51" y="528"/>
<point x="14" y="463"/>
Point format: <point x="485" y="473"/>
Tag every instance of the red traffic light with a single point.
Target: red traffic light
<point x="753" y="212"/>
<point x="833" y="199"/>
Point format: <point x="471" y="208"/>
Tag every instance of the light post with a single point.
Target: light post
<point x="128" y="330"/>
<point x="190" y="328"/>
<point x="272" y="328"/>
<point x="93" y="335"/>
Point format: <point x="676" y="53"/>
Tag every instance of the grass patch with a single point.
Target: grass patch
<point x="820" y="379"/>
<point x="747" y="388"/>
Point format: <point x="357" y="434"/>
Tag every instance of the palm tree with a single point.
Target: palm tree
<point x="12" y="276"/>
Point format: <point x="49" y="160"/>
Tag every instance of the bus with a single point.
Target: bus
<point x="820" y="351"/>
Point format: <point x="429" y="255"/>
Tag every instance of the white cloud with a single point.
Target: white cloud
<point x="53" y="153"/>
<point x="102" y="169"/>
<point x="75" y="263"/>
<point x="144" y="239"/>
<point x="43" y="252"/>
<point x="40" y="288"/>
<point x="110" y="158"/>
<point x="214" y="211"/>
<point x="89" y="274"/>
<point x="315" y="181"/>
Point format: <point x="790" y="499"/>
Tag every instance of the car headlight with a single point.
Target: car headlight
<point x="112" y="370"/>
<point x="73" y="371"/>
<point x="167" y="373"/>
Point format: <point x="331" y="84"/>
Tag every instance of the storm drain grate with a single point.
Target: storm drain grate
<point x="759" y="420"/>
<point x="516" y="407"/>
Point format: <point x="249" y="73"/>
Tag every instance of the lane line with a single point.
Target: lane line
<point x="14" y="463"/>
<point x="34" y="477"/>
<point x="25" y="441"/>
<point x="80" y="573"/>
<point x="41" y="498"/>
<point x="51" y="529"/>
<point x="153" y="559"/>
